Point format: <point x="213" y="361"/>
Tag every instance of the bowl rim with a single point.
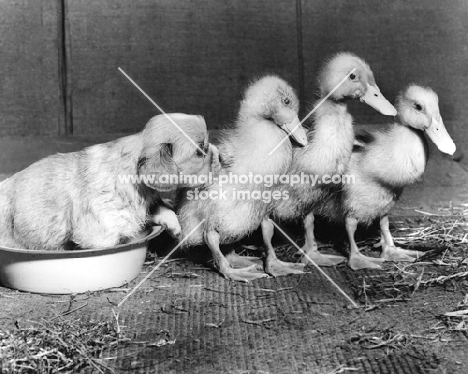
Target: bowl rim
<point x="153" y="232"/>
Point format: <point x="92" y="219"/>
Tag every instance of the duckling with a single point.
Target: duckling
<point x="330" y="145"/>
<point x="267" y="115"/>
<point x="383" y="163"/>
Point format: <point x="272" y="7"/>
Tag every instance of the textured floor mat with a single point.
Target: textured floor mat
<point x="188" y="319"/>
<point x="194" y="321"/>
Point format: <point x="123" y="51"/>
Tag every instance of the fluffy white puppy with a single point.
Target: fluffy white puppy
<point x="93" y="198"/>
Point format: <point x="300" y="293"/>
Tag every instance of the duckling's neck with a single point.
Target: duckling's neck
<point x="413" y="151"/>
<point x="399" y="157"/>
<point x="247" y="113"/>
<point x="330" y="141"/>
<point x="252" y="144"/>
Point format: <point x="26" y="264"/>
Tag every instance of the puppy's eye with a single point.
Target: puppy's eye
<point x="202" y="147"/>
<point x="352" y="76"/>
<point x="286" y="101"/>
<point x="417" y="106"/>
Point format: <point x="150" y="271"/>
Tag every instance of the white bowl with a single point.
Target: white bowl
<point x="67" y="272"/>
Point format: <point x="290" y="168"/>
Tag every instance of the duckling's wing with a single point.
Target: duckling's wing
<point x="226" y="160"/>
<point x="362" y="139"/>
<point x="222" y="140"/>
<point x="226" y="153"/>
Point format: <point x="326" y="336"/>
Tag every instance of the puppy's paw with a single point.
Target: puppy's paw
<point x="168" y="219"/>
<point x="174" y="229"/>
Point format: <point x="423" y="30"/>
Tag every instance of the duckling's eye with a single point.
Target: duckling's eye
<point x="417" y="106"/>
<point x="352" y="76"/>
<point x="286" y="101"/>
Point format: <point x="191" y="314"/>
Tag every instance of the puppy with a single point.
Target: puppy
<point x="107" y="193"/>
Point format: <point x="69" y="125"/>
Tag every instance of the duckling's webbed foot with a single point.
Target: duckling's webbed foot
<point x="237" y="261"/>
<point x="390" y="252"/>
<point x="310" y="247"/>
<point x="241" y="275"/>
<point x="273" y="266"/>
<point x="358" y="261"/>
<point x="321" y="259"/>
<point x="221" y="263"/>
<point x="393" y="253"/>
<point x="276" y="267"/>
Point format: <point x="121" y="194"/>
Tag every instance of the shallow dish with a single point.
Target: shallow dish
<point x="67" y="272"/>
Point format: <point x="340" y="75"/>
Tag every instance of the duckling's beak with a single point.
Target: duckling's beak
<point x="376" y="100"/>
<point x="439" y="135"/>
<point x="295" y="130"/>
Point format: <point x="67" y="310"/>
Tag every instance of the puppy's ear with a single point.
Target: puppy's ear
<point x="159" y="163"/>
<point x="166" y="155"/>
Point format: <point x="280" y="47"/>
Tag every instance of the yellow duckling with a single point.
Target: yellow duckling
<point x="268" y="114"/>
<point x="330" y="146"/>
<point x="383" y="163"/>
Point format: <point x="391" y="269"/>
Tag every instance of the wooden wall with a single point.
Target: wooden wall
<point x="30" y="89"/>
<point x="189" y="56"/>
<point x="195" y="56"/>
<point x="422" y="41"/>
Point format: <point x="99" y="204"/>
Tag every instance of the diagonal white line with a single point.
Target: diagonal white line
<point x="329" y="94"/>
<point x="158" y="265"/>
<point x="162" y="111"/>
<point x="353" y="303"/>
<point x="313" y="110"/>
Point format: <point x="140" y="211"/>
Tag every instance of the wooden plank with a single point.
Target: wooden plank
<point x="189" y="56"/>
<point x="29" y="103"/>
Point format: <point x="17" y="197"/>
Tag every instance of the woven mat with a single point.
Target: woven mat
<point x="194" y="321"/>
